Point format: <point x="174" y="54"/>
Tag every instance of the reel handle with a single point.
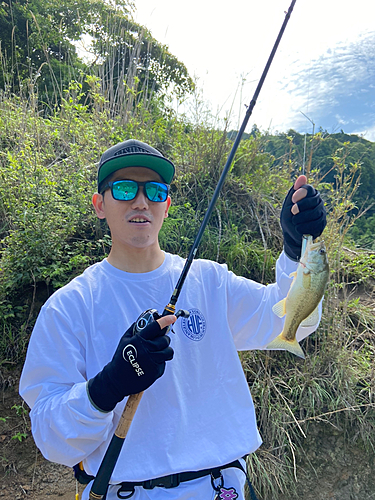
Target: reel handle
<point x="151" y="315"/>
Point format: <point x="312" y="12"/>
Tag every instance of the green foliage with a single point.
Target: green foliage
<point x="38" y="51"/>
<point x="47" y="171"/>
<point x="36" y="44"/>
<point x="358" y="267"/>
<point x="326" y="149"/>
<point x="21" y="413"/>
<point x="362" y="233"/>
<point x="20" y="436"/>
<point x="335" y="382"/>
<point x="20" y="410"/>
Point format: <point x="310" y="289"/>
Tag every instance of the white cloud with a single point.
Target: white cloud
<point x="334" y="89"/>
<point x="325" y="53"/>
<point x="368" y="133"/>
<point x="341" y="121"/>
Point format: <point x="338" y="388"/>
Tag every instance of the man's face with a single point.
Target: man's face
<point x="135" y="223"/>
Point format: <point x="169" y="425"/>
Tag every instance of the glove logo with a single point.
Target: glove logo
<point x="129" y="353"/>
<point x="194" y="327"/>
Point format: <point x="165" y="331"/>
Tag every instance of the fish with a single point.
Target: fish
<point x="300" y="306"/>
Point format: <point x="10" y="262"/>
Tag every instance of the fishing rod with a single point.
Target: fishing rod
<point x="100" y="484"/>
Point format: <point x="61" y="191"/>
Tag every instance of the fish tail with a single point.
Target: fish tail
<point x="287" y="345"/>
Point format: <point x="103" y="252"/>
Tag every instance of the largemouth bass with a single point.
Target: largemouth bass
<point x="300" y="307"/>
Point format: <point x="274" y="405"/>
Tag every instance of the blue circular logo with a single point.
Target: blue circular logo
<point x="194" y="327"/>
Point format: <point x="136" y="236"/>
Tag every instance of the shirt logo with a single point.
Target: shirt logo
<point x="194" y="327"/>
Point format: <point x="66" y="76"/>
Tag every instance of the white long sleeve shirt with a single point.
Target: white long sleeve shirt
<point x="199" y="414"/>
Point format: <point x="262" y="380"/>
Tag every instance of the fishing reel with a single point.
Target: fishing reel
<point x="151" y="315"/>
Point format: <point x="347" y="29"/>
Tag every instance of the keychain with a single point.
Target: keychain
<point x="226" y="494"/>
<point x="222" y="492"/>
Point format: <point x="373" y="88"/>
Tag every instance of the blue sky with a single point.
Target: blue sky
<point x="340" y="88"/>
<point x="324" y="67"/>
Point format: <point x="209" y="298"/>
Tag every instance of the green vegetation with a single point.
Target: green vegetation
<point x="335" y="384"/>
<point x="326" y="150"/>
<point x="52" y="135"/>
<point x="38" y="52"/>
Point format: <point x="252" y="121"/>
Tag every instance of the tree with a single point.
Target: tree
<point x="37" y="47"/>
<point x="36" y="44"/>
<point x="130" y="61"/>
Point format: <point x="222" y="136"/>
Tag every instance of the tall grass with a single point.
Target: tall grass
<point x="335" y="384"/>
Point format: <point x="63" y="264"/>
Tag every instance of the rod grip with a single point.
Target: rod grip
<point x="100" y="484"/>
<point x="128" y="415"/>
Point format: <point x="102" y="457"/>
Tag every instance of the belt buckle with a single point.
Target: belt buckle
<point x="171" y="481"/>
<point x="174" y="481"/>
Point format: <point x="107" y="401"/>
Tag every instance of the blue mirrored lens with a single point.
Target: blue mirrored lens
<point x="126" y="190"/>
<point x="156" y="191"/>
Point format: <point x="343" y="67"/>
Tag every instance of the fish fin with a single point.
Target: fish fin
<point x="287" y="345"/>
<point x="294" y="276"/>
<point x="306" y="280"/>
<point x="312" y="319"/>
<point x="279" y="308"/>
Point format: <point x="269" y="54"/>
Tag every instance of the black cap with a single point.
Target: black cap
<point x="133" y="153"/>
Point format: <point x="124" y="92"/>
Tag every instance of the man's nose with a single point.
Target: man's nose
<point x="140" y="201"/>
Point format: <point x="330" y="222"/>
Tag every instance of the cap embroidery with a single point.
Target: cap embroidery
<point x="131" y="149"/>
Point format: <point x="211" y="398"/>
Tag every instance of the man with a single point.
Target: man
<point x="196" y="420"/>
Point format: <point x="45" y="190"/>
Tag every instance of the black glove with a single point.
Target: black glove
<point x="139" y="360"/>
<point x="311" y="219"/>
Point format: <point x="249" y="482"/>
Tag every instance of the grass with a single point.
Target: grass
<point x="334" y="386"/>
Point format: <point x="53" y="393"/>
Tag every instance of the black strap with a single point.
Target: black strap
<point x="173" y="480"/>
<point x="81" y="476"/>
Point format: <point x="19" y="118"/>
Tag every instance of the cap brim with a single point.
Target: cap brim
<point x="159" y="164"/>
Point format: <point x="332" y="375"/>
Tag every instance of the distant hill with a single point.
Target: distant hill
<point x="295" y="147"/>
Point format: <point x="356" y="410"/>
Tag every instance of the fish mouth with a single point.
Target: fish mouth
<point x="315" y="254"/>
<point x="318" y="245"/>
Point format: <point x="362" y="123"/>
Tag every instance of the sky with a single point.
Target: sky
<point x="323" y="74"/>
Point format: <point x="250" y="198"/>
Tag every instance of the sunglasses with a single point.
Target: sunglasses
<point x="126" y="190"/>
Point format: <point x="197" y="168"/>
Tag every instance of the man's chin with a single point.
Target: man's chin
<point x="142" y="242"/>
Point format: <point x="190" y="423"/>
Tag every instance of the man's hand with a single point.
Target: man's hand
<point x="302" y="213"/>
<point x="138" y="362"/>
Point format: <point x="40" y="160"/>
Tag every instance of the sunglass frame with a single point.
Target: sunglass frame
<point x="110" y="184"/>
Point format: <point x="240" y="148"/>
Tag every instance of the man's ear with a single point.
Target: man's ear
<point x="98" y="204"/>
<point x="169" y="201"/>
